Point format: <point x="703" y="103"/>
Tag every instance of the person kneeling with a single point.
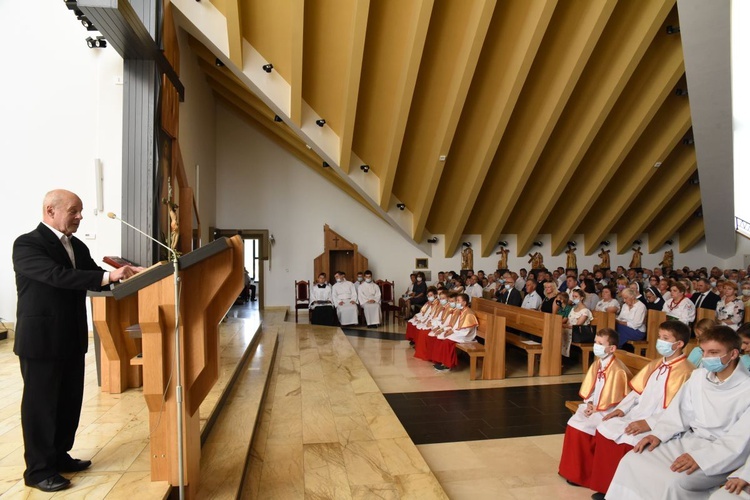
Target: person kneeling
<point x="604" y="386"/>
<point x="701" y="437"/>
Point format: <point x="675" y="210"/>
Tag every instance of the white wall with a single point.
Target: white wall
<point x="60" y="109"/>
<point x="261" y="186"/>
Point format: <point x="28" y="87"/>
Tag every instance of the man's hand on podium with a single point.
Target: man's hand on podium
<point x="123" y="273"/>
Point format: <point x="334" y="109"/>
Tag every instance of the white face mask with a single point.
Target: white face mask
<point x="746" y="293"/>
<point x="443" y="302"/>
<point x="508" y="286"/>
<point x="459" y="306"/>
<point x="419" y="280"/>
<point x="576" y="301"/>
<point x="430" y="298"/>
<point x="368" y="280"/>
<point x="600" y="351"/>
<point x="339" y="280"/>
<point x="359" y="278"/>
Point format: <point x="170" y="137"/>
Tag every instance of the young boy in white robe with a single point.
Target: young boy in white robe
<point x="604" y="386"/>
<point x="462" y="329"/>
<point x="701" y="437"/>
<point x="419" y="321"/>
<point x="368" y="294"/>
<point x="344" y="297"/>
<point x="653" y="389"/>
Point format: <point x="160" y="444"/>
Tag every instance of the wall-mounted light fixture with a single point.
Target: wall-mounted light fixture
<point x="637" y="242"/>
<point x="401" y="206"/>
<point x="277" y="119"/>
<point x="320" y="122"/>
<point x="571" y="243"/>
<point x="365" y="168"/>
<point x="96" y="43"/>
<point x="672" y="30"/>
<point x="681" y="92"/>
<point x="503" y="243"/>
<point x="432" y="240"/>
<point x="325" y="164"/>
<point x="86" y="23"/>
<point x="604" y="243"/>
<point x="268" y="67"/>
<point x="669" y="242"/>
<point x="219" y="63"/>
<point x="699" y="213"/>
<point x="538" y="243"/>
<point x="467" y="243"/>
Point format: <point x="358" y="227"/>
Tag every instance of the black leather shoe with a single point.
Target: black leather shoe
<point x="53" y="483"/>
<point x="598" y="496"/>
<point x="74" y="465"/>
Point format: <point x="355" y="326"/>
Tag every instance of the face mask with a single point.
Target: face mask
<point x="600" y="351"/>
<point x="453" y="305"/>
<point x="713" y="284"/>
<point x="419" y="279"/>
<point x="621" y="287"/>
<point x="746" y="293"/>
<point x="713" y="365"/>
<point x="443" y="302"/>
<point x="321" y="285"/>
<point x="559" y="304"/>
<point x="459" y="306"/>
<point x="576" y="301"/>
<point x="508" y="287"/>
<point x="369" y="280"/>
<point x="664" y="348"/>
<point x="339" y="280"/>
<point x="430" y="298"/>
<point x="359" y="278"/>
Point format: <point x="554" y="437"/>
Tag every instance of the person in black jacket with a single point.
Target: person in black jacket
<point x="704" y="298"/>
<point x="507" y="294"/>
<point x="53" y="271"/>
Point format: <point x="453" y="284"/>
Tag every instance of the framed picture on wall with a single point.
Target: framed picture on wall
<point x="427" y="274"/>
<point x="421" y="264"/>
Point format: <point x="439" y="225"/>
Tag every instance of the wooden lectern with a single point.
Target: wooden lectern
<point x="211" y="278"/>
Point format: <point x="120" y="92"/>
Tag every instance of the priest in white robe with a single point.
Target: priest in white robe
<point x="344" y="296"/>
<point x="368" y="294"/>
<point x="701" y="437"/>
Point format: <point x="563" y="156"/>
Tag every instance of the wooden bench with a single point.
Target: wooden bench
<point x="544" y="325"/>
<point x="601" y="320"/>
<point x="633" y="362"/>
<point x="647" y="346"/>
<point x="485" y="330"/>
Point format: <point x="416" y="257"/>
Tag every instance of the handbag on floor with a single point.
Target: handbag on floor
<point x="584" y="333"/>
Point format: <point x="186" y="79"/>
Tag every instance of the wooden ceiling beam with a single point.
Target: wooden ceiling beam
<point x="655" y="79"/>
<point x="663" y="187"/>
<point x="574" y="31"/>
<point x="660" y="138"/>
<point x="678" y="210"/>
<point x="629" y="33"/>
<point x="691" y="233"/>
<point x="505" y="62"/>
<point x="297" y="38"/>
<point x="454" y="41"/>
<point x="234" y="31"/>
<point x="351" y="86"/>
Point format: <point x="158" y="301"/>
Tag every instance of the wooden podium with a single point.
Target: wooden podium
<point x="211" y="278"/>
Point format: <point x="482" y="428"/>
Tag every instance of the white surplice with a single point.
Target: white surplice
<point x="343" y="294"/>
<point x="320" y="296"/>
<point x="367" y="292"/>
<point x="647" y="406"/>
<point x="579" y="420"/>
<point x="707" y="420"/>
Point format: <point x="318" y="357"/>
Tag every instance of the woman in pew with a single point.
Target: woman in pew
<point x="592" y="299"/>
<point x="654" y="301"/>
<point x="563" y="309"/>
<point x="580" y="314"/>
<point x="463" y="329"/>
<point x="730" y="310"/>
<point x="608" y="303"/>
<point x="696" y="355"/>
<point x="549" y="304"/>
<point x="654" y="387"/>
<point x="679" y="307"/>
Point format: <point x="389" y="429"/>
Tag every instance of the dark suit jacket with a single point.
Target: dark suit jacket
<point x="710" y="302"/>
<point x="511" y="297"/>
<point x="51" y="315"/>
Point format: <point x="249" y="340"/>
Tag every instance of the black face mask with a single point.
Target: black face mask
<point x="321" y="285"/>
<point x="559" y="304"/>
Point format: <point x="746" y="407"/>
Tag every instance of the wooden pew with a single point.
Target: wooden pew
<point x="704" y="313"/>
<point x="601" y="320"/>
<point x="633" y="362"/>
<point x="492" y="330"/>
<point x="544" y="325"/>
<point x="647" y="347"/>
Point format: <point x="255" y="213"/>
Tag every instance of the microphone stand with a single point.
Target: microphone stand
<point x="178" y="357"/>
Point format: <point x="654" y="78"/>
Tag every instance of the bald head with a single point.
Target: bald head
<point x="62" y="210"/>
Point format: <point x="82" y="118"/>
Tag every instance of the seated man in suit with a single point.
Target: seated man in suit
<point x="344" y="297"/>
<point x="704" y="298"/>
<point x="369" y="298"/>
<point x="508" y="293"/>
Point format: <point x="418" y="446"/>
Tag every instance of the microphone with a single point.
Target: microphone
<point x="112" y="215"/>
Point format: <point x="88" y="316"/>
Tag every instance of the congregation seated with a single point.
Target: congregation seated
<point x="549" y="304"/>
<point x="473" y="288"/>
<point x="508" y="294"/>
<point x="631" y="322"/>
<point x="679" y="307"/>
<point x="368" y="296"/>
<point x="592" y="299"/>
<point x="654" y="301"/>
<point x="607" y="303"/>
<point x="404" y="302"/>
<point x="730" y="310"/>
<point x="344" y="297"/>
<point x="532" y="300"/>
<point x="322" y="311"/>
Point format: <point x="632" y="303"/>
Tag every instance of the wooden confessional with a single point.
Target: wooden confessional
<point x="339" y="254"/>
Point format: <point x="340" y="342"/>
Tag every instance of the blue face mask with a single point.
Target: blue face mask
<point x="600" y="351"/>
<point x="459" y="306"/>
<point x="443" y="302"/>
<point x="714" y="365"/>
<point x="508" y="286"/>
<point x="664" y="348"/>
<point x="453" y="305"/>
<point x="576" y="301"/>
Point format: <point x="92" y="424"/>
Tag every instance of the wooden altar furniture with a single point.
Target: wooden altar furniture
<point x="301" y="297"/>
<point x="339" y="255"/>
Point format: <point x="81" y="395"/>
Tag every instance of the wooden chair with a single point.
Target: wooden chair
<point x="301" y="297"/>
<point x="387" y="299"/>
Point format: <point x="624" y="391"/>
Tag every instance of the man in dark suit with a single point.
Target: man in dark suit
<point x="507" y="294"/>
<point x="704" y="298"/>
<point x="53" y="271"/>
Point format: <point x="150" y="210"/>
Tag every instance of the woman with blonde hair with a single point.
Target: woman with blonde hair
<point x="730" y="310"/>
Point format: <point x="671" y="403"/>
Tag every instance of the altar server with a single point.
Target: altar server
<point x="419" y="320"/>
<point x="321" y="303"/>
<point x="701" y="437"/>
<point x="462" y="329"/>
<point x="426" y="340"/>
<point x="344" y="296"/>
<point x="653" y="389"/>
<point x="604" y="386"/>
<point x="369" y="298"/>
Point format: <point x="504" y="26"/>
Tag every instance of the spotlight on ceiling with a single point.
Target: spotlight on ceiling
<point x="320" y="122"/>
<point x="268" y="67"/>
<point x="604" y="243"/>
<point x="672" y="30"/>
<point x="277" y="119"/>
<point x="669" y="242"/>
<point x="432" y="240"/>
<point x="219" y="63"/>
<point x="96" y="43"/>
<point x="503" y="243"/>
<point x="687" y="141"/>
<point x="699" y="213"/>
<point x="467" y="243"/>
<point x="401" y="206"/>
<point x="571" y="243"/>
<point x="325" y="164"/>
<point x="637" y="242"/>
<point x="695" y="180"/>
<point x="681" y="92"/>
<point x="538" y="243"/>
<point x="365" y="168"/>
<point x="86" y="23"/>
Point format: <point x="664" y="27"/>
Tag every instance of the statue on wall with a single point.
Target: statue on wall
<point x="503" y="262"/>
<point x="572" y="261"/>
<point x="667" y="260"/>
<point x="604" y="255"/>
<point x="467" y="257"/>
<point x="635" y="262"/>
<point x="536" y="260"/>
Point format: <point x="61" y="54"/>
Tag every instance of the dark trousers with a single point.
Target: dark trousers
<point x="50" y="411"/>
